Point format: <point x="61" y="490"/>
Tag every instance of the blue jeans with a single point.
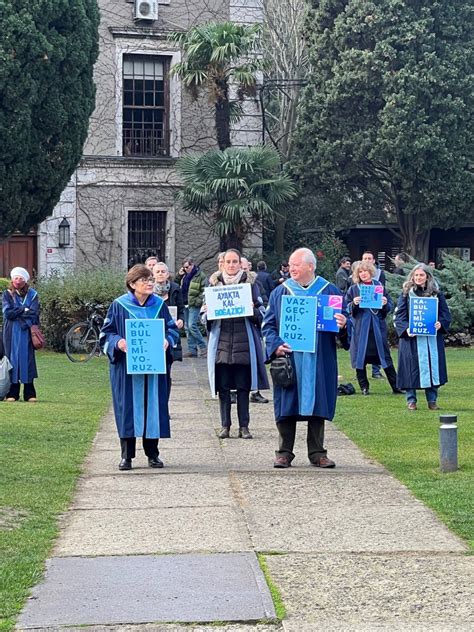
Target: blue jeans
<point x="431" y="394"/>
<point x="195" y="339"/>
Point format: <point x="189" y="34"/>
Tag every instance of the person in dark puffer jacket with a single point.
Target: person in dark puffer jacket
<point x="235" y="356"/>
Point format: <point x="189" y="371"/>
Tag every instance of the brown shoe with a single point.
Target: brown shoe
<point x="188" y="354"/>
<point x="433" y="406"/>
<point x="323" y="461"/>
<point x="281" y="462"/>
<point x="411" y="406"/>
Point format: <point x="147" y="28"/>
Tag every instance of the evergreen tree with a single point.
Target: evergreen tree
<point x="385" y="122"/>
<point x="47" y="52"/>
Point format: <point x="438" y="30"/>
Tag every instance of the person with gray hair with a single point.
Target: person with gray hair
<point x="313" y="396"/>
<point x="421" y="359"/>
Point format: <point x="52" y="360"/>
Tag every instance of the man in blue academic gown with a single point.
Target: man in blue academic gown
<point x="313" y="397"/>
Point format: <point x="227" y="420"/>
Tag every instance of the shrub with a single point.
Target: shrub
<point x="67" y="299"/>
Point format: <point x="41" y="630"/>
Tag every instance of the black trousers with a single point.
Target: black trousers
<point x="128" y="447"/>
<point x="314" y="438"/>
<point x="28" y="391"/>
<point x="234" y="377"/>
<point x="389" y="372"/>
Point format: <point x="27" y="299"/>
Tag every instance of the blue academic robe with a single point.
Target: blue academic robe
<point x="421" y="359"/>
<point x="258" y="373"/>
<point x="315" y="391"/>
<point x="362" y="321"/>
<point x="140" y="401"/>
<point x="19" y="313"/>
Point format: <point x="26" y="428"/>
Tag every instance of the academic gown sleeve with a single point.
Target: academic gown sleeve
<point x="401" y="319"/>
<point x="11" y="311"/>
<point x="270" y="326"/>
<point x="110" y="336"/>
<point x="444" y="315"/>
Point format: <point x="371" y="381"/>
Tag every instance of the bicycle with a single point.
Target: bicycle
<point x="82" y="338"/>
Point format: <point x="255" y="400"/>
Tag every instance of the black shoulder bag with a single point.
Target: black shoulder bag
<point x="282" y="372"/>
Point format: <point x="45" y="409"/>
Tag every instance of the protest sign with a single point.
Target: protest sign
<point x="328" y="306"/>
<point x="145" y="345"/>
<point x="371" y="296"/>
<point x="229" y="301"/>
<point x="173" y="310"/>
<point x="298" y="322"/>
<point x="423" y="315"/>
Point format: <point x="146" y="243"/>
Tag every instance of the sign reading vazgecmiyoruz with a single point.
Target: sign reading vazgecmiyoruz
<point x="298" y="322"/>
<point x="229" y="301"/>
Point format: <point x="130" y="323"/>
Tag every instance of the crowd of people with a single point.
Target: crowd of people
<point x="238" y="347"/>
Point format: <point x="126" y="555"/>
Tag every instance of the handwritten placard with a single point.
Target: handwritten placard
<point x="328" y="306"/>
<point x="423" y="315"/>
<point x="298" y="322"/>
<point x="371" y="296"/>
<point x="145" y="345"/>
<point x="229" y="301"/>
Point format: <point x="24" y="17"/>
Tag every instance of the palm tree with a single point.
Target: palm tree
<point x="216" y="56"/>
<point x="233" y="189"/>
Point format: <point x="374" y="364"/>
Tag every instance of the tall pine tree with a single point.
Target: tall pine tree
<point x="47" y="52"/>
<point x="386" y="123"/>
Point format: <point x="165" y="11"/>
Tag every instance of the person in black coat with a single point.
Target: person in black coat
<point x="265" y="278"/>
<point x="172" y="295"/>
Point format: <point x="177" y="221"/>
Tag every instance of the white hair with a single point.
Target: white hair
<point x="162" y="263"/>
<point x="308" y="256"/>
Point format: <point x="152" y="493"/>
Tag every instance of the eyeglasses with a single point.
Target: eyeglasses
<point x="145" y="280"/>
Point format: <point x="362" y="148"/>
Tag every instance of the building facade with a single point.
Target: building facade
<point x="120" y="203"/>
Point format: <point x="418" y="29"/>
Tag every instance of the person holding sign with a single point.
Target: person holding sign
<point x="313" y="396"/>
<point x="235" y="357"/>
<point x="421" y="358"/>
<point x="369" y="342"/>
<point x="140" y="398"/>
<point x="171" y="293"/>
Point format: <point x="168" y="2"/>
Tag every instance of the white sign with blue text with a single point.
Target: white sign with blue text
<point x="423" y="315"/>
<point x="229" y="301"/>
<point x="298" y="322"/>
<point x="145" y="339"/>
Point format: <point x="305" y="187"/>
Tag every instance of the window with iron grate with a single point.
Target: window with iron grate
<point x="146" y="236"/>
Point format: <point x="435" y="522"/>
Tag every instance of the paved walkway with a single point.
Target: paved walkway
<point x="348" y="549"/>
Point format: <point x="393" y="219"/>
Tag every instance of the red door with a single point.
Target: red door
<point x="19" y="250"/>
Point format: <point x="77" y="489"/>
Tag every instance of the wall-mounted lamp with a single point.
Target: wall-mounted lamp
<point x="64" y="229"/>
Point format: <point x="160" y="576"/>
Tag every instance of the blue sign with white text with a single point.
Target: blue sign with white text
<point x="423" y="315"/>
<point x="145" y="345"/>
<point x="298" y="322"/>
<point x="371" y="296"/>
<point x="328" y="306"/>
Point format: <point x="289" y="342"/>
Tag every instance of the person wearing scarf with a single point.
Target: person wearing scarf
<point x="21" y="310"/>
<point x="421" y="359"/>
<point x="140" y="400"/>
<point x="369" y="340"/>
<point x="171" y="293"/>
<point x="235" y="356"/>
<point x="313" y="397"/>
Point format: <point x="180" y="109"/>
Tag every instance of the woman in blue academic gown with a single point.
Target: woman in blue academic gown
<point x="421" y="359"/>
<point x="234" y="352"/>
<point x="140" y="401"/>
<point x="21" y="310"/>
<point x="369" y="342"/>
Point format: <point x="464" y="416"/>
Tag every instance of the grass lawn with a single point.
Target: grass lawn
<point x="43" y="447"/>
<point x="407" y="442"/>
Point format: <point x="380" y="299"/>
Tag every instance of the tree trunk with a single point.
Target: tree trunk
<point x="416" y="244"/>
<point x="231" y="240"/>
<point x="222" y="117"/>
<point x="280" y="225"/>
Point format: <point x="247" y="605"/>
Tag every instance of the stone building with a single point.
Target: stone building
<point x="120" y="202"/>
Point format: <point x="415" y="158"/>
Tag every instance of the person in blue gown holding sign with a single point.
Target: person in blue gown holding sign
<point x="421" y="359"/>
<point x="369" y="342"/>
<point x="21" y="310"/>
<point x="313" y="396"/>
<point x="140" y="400"/>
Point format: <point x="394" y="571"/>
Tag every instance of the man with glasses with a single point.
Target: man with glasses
<point x="193" y="282"/>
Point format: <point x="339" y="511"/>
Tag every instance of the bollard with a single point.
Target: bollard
<point x="448" y="443"/>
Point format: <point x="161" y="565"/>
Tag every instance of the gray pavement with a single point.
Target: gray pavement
<point x="175" y="549"/>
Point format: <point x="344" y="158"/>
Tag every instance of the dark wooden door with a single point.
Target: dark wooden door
<point x="19" y="250"/>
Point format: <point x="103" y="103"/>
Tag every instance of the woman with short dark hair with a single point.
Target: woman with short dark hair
<point x="140" y="400"/>
<point x="21" y="310"/>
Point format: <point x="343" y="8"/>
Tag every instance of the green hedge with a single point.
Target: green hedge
<point x="67" y="299"/>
